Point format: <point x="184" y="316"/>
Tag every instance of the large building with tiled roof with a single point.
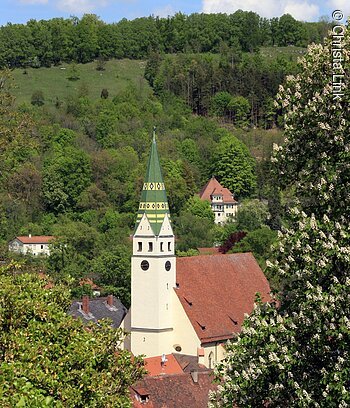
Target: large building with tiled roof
<point x="189" y="305"/>
<point x="222" y="201"/>
<point x="34" y="245"/>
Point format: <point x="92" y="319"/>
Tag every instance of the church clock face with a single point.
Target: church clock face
<point x="167" y="265"/>
<point x="144" y="265"/>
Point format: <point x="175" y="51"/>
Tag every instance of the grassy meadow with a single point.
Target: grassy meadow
<point x="54" y="82"/>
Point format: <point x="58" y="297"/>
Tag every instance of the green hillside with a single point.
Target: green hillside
<point x="291" y="52"/>
<point x="54" y="82"/>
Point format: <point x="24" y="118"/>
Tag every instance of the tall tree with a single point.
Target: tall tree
<point x="234" y="166"/>
<point x="49" y="359"/>
<point x="297" y="354"/>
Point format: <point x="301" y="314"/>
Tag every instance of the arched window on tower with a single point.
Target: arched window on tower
<point x="150" y="246"/>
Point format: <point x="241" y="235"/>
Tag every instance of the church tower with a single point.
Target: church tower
<point x="153" y="267"/>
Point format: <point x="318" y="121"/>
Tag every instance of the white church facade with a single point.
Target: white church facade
<point x="188" y="305"/>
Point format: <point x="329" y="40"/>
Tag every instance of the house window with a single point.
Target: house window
<point x="150" y="246"/>
<point x="139" y="246"/>
<point x="169" y="246"/>
<point x="161" y="247"/>
<point x="210" y="359"/>
<point x="42" y="246"/>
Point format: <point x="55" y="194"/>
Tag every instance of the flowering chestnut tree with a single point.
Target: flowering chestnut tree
<point x="294" y="352"/>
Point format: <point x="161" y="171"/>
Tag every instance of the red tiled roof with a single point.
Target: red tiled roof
<point x="154" y="367"/>
<point x="214" y="187"/>
<point x="36" y="239"/>
<point x="221" y="289"/>
<point x="208" y="251"/>
<point x="88" y="281"/>
<point x="174" y="391"/>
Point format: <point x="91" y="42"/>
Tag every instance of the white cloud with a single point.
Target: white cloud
<point x="265" y="8"/>
<point x="165" y="11"/>
<point x="80" y="6"/>
<point x="302" y="11"/>
<point x="342" y="5"/>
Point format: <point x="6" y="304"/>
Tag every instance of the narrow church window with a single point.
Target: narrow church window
<point x="167" y="285"/>
<point x="139" y="246"/>
<point x="161" y="247"/>
<point x="150" y="246"/>
<point x="169" y="246"/>
<point x="166" y="306"/>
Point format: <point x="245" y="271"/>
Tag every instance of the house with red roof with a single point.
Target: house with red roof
<point x="173" y="381"/>
<point x="188" y="305"/>
<point x="221" y="200"/>
<point x="34" y="245"/>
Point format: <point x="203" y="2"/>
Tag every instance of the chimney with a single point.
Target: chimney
<point x="194" y="375"/>
<point x="163" y="360"/>
<point x="30" y="235"/>
<point x="86" y="308"/>
<point x="110" y="300"/>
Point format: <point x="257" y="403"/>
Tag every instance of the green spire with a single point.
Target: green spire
<point x="153" y="202"/>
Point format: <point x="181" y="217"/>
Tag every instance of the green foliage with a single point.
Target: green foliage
<point x="220" y="103"/>
<point x="65" y="176"/>
<point x="113" y="270"/>
<point x="73" y="72"/>
<point x="258" y="241"/>
<point x="199" y="208"/>
<point x="42" y="43"/>
<point x="296" y="354"/>
<point x="104" y="93"/>
<point x="38" y="98"/>
<point x="234" y="166"/>
<point x="239" y="109"/>
<point x="251" y="215"/>
<point x="50" y="359"/>
<point x="190" y="252"/>
<point x="193" y="232"/>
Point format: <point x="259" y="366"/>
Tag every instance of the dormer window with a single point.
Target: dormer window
<point x="150" y="247"/>
<point x="139" y="246"/>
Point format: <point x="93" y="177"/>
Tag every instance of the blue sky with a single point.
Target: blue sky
<point x="20" y="11"/>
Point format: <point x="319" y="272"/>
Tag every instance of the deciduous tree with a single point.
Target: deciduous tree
<point x="49" y="359"/>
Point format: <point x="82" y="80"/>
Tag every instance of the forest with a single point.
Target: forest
<point x="72" y="164"/>
<point x="50" y="42"/>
